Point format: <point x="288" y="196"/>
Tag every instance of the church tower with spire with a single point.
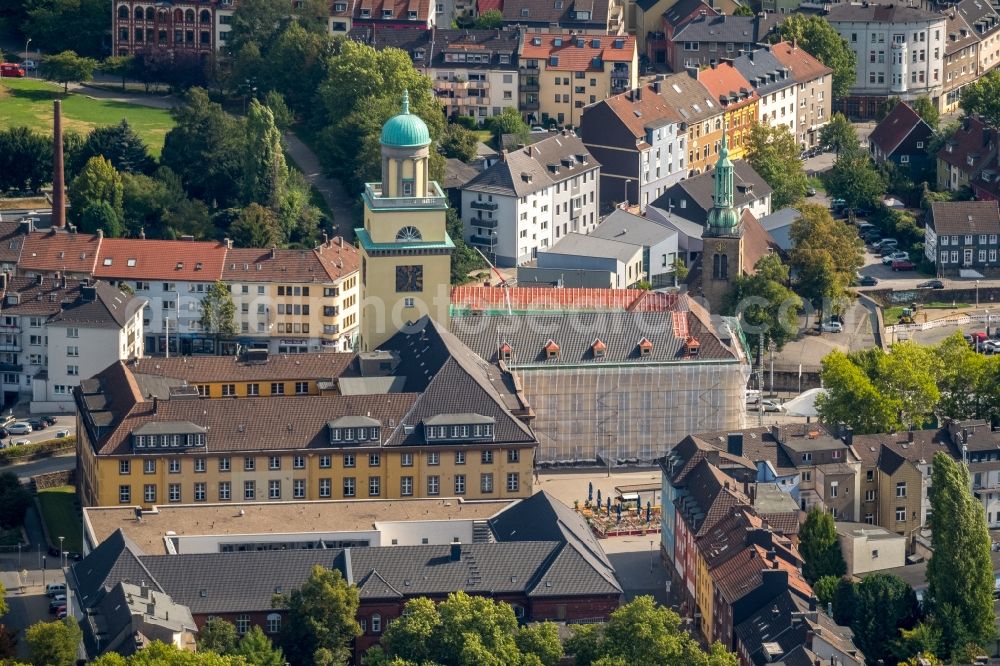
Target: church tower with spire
<point x="722" y="253"/>
<point x="405" y="248"/>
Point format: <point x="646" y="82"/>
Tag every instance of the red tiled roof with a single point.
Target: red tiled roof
<point x="803" y="65"/>
<point x="723" y="81"/>
<point x="327" y="263"/>
<point x="637" y="114"/>
<point x="577" y="58"/>
<point x="895" y="127"/>
<point x="400" y="10"/>
<point x="547" y="298"/>
<point x="338" y="258"/>
<point x="972" y="140"/>
<point x="59" y="251"/>
<point x="757" y="242"/>
<point x="140" y="259"/>
<point x="489" y="5"/>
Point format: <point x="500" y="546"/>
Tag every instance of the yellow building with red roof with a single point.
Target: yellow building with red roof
<point x="738" y="101"/>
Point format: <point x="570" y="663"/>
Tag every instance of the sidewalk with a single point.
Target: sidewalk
<point x="340" y="203"/>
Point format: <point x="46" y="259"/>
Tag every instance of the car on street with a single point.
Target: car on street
<point x="931" y="284"/>
<point x="811" y="192"/>
<point x="538" y="130"/>
<point x="50" y="420"/>
<point x="20" y="442"/>
<point x="867" y="280"/>
<point x="61" y="433"/>
<point x="832" y="327"/>
<point x="885" y="242"/>
<point x="898" y="255"/>
<point x="52" y="589"/>
<point x="36" y="423"/>
<point x="772" y="406"/>
<point x="12" y="70"/>
<point x="20" y="428"/>
<point x="58" y="601"/>
<point x="904" y="265"/>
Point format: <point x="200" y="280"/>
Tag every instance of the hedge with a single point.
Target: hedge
<point x="37" y="450"/>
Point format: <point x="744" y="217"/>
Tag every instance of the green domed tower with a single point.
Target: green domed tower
<point x="405" y="248"/>
<point x="722" y="256"/>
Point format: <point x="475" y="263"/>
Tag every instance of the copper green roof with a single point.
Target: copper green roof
<point x="405" y="130"/>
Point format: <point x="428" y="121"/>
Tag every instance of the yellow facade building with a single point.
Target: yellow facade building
<point x="739" y="103"/>
<point x="405" y="248"/>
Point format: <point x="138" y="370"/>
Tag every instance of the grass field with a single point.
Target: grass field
<point x="61" y="518"/>
<point x="29" y="102"/>
<point x="892" y="315"/>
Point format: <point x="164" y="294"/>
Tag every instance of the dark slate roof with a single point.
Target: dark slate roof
<point x="701" y="188"/>
<point x="880" y="13"/>
<point x="115" y="560"/>
<point x="427" y="48"/>
<point x="457" y="173"/>
<point x="575" y="334"/>
<point x="765" y="73"/>
<point x="959" y="33"/>
<point x="895" y="127"/>
<point x="450" y="378"/>
<point x="973" y="141"/>
<point x="526" y="170"/>
<point x="683" y="9"/>
<point x="11" y="240"/>
<point x="981" y="15"/>
<point x="109" y="308"/>
<point x="547" y="12"/>
<point x="965" y="217"/>
<point x="738" y="29"/>
<point x="772" y="623"/>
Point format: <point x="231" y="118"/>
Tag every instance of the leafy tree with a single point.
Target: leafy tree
<point x="908" y="374"/>
<point x="147" y="199"/>
<point x="885" y="604"/>
<point x="961" y="606"/>
<point x="97" y="182"/>
<point x="926" y="109"/>
<point x="218" y="635"/>
<point x="256" y="21"/>
<point x="264" y="169"/>
<point x="120" y="145"/>
<point x="14" y="502"/>
<point x="819" y="547"/>
<point x="840" y="134"/>
<point x="464" y="629"/>
<point x="99" y="215"/>
<point x="305" y="53"/>
<point x="845" y="600"/>
<point x="825" y="589"/>
<point x="67" y="67"/>
<point x="924" y="638"/>
<point x="854" y="179"/>
<point x="188" y="217"/>
<point x="508" y="122"/>
<point x="246" y="67"/>
<point x="982" y="98"/>
<point x="826" y="255"/>
<point x="205" y="149"/>
<point x="162" y="654"/>
<point x="321" y="619"/>
<point x="491" y="19"/>
<point x="773" y="153"/>
<point x="218" y="313"/>
<point x="25" y="159"/>
<point x="58" y="25"/>
<point x="852" y="398"/>
<point x="53" y="643"/>
<point x="584" y="643"/>
<point x="256" y="227"/>
<point x="464" y="259"/>
<point x="151" y="67"/>
<point x="680" y="270"/>
<point x="298" y="219"/>
<point x="743" y="10"/>
<point x="118" y="65"/>
<point x="459" y="143"/>
<point x="821" y="40"/>
<point x="275" y="102"/>
<point x="764" y="303"/>
<point x="257" y="649"/>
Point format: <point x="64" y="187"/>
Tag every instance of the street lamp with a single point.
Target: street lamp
<point x="977" y="293"/>
<point x="627" y="181"/>
<point x="18" y="556"/>
<point x="651" y="542"/>
<point x="43" y="571"/>
<point x="62" y="553"/>
<point x="26" y="48"/>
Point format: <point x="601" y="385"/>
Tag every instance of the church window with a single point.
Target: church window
<point x="720" y="268"/>
<point x="408" y="234"/>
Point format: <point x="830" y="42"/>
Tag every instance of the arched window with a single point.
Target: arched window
<point x="273" y="623"/>
<point x="178" y="15"/>
<point x="720" y="268"/>
<point x="189" y="16"/>
<point x="122" y="12"/>
<point x="205" y="16"/>
<point x="409" y="234"/>
<point x="376" y="623"/>
<point x="138" y="13"/>
<point x="150" y="14"/>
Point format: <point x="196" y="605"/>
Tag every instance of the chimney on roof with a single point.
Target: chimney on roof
<point x="456" y="552"/>
<point x="734" y="443"/>
<point x="228" y="242"/>
<point x="143" y="590"/>
<point x="848" y="437"/>
<point x="100" y="233"/>
<point x="753" y="494"/>
<point x="812" y="602"/>
<point x="326" y="238"/>
<point x="692" y="72"/>
<point x="142" y="233"/>
<point x="156" y="404"/>
<point x="58" y="171"/>
<point x="274" y="252"/>
<point x="3" y="281"/>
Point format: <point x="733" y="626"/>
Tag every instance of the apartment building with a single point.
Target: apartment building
<point x="186" y="30"/>
<point x="702" y="116"/>
<point x="708" y="40"/>
<point x="739" y="103"/>
<point x="587" y="17"/>
<point x="963" y="235"/>
<point x="473" y="72"/>
<point x="656" y="21"/>
<point x="966" y="154"/>
<point x="294" y="301"/>
<point x="531" y="198"/>
<point x="563" y="73"/>
<point x="775" y="86"/>
<point x="814" y="94"/>
<point x="424" y="417"/>
<point x="640" y="141"/>
<point x="961" y="59"/>
<point x="900" y="52"/>
<point x="985" y="21"/>
<point x="55" y="332"/>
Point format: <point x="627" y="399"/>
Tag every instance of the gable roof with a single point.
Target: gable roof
<point x="399" y="10"/>
<point x="803" y="65"/>
<point x="525" y="170"/>
<point x="971" y="147"/>
<point x="748" y="187"/>
<point x="275" y="367"/>
<point x="586" y="245"/>
<point x="11" y="239"/>
<point x="115" y="559"/>
<point x="57" y="250"/>
<point x="568" y="299"/>
<point x="965" y="217"/>
<point x="981" y="15"/>
<point x="764" y="71"/>
<point x="625" y="227"/>
<point x="959" y="34"/>
<point x="577" y="53"/>
<point x="693" y="101"/>
<point x="548" y="12"/>
<point x="327" y="262"/>
<point x="727" y="84"/>
<point x="879" y="13"/>
<point x="643" y="111"/>
<point x="684" y="9"/>
<point x="100" y="306"/>
<point x="173" y="260"/>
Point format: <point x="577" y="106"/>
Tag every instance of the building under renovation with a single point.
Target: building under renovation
<point x="611" y="375"/>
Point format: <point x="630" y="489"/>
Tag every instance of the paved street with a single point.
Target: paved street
<point x="340" y="203"/>
<point x="58" y="463"/>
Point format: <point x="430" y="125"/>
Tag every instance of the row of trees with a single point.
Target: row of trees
<point x="909" y="386"/>
<point x="956" y="619"/>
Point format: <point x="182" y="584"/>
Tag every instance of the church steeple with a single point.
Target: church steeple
<point x="723" y="219"/>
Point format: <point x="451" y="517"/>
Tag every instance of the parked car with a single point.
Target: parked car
<point x="867" y="281"/>
<point x="931" y="284"/>
<point x="832" y="327"/>
<point x="811" y="192"/>
<point x="538" y="130"/>
<point x="12" y="70"/>
<point x="898" y="255"/>
<point x="772" y="406"/>
<point x="3" y="433"/>
<point x="20" y="428"/>
<point x="7" y="420"/>
<point x="884" y="242"/>
<point x="20" y="442"/>
<point x="52" y="589"/>
<point x="50" y="420"/>
<point x="57" y="601"/>
<point x="977" y="338"/>
<point x="36" y="423"/>
<point x="61" y="433"/>
<point x="904" y="265"/>
<point x="61" y="613"/>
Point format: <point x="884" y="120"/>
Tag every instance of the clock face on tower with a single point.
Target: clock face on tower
<point x="409" y="278"/>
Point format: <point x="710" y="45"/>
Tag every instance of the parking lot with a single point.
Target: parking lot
<point x="64" y="422"/>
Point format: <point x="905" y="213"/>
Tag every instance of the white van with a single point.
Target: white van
<point x="54" y="589"/>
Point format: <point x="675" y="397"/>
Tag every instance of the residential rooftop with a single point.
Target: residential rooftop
<point x="272" y="367"/>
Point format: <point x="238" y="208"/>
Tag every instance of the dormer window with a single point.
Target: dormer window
<point x="168" y="434"/>
<point x="458" y="427"/>
<point x="551" y="349"/>
<point x="506" y="352"/>
<point x="598" y="348"/>
<point x="365" y="12"/>
<point x="386" y="13"/>
<point x="691" y="347"/>
<point x="412" y="16"/>
<point x="355" y="430"/>
<point x="340" y="7"/>
<point x="645" y="347"/>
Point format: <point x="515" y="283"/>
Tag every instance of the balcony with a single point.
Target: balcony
<point x="483" y="241"/>
<point x="484" y="205"/>
<point x="483" y="224"/>
<point x="331" y="330"/>
<point x="10" y="346"/>
<point x="529" y="87"/>
<point x="373" y="195"/>
<point x="528" y="70"/>
<point x="530" y="105"/>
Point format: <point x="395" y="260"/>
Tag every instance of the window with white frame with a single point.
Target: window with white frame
<point x="273" y="623"/>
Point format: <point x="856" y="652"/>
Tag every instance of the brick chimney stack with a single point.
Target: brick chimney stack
<point x="58" y="174"/>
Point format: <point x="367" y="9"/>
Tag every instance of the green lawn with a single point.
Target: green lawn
<point x="29" y="102"/>
<point x="892" y="315"/>
<point x="60" y="516"/>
